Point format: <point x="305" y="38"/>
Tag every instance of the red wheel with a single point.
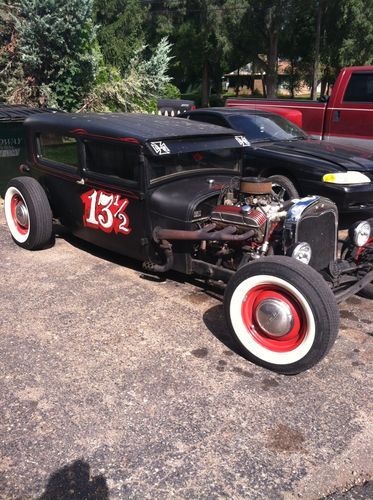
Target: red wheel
<point x="27" y="213"/>
<point x="17" y="215"/>
<point x="274" y="318"/>
<point x="281" y="313"/>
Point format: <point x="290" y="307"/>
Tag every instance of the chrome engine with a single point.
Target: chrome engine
<point x="251" y="205"/>
<point x="277" y="226"/>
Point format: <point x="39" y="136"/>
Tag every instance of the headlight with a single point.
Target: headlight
<point x="350" y="177"/>
<point x="360" y="233"/>
<point x="302" y="252"/>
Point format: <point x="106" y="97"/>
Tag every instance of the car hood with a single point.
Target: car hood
<point x="347" y="157"/>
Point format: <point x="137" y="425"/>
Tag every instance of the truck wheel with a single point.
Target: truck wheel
<point x="28" y="213"/>
<point x="283" y="187"/>
<point x="281" y="314"/>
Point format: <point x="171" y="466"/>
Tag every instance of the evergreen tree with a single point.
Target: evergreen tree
<point x="121" y="30"/>
<point x="201" y="42"/>
<point x="10" y="67"/>
<point x="58" y="51"/>
<point x="356" y="24"/>
<point x="144" y="81"/>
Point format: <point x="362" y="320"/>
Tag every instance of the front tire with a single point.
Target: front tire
<point x="28" y="213"/>
<point x="281" y="314"/>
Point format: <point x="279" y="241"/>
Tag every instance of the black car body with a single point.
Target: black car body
<point x="279" y="147"/>
<point x="130" y="156"/>
<point x="13" y="148"/>
<point x="170" y="193"/>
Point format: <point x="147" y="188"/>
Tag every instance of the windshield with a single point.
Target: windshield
<point x="167" y="165"/>
<point x="266" y="128"/>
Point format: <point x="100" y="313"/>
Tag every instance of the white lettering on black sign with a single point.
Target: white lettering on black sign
<point x="10" y="141"/>
<point x="8" y="153"/>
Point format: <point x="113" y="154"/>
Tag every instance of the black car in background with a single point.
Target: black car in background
<point x="174" y="107"/>
<point x="298" y="165"/>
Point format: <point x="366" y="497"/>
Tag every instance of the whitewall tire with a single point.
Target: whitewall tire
<point x="281" y="313"/>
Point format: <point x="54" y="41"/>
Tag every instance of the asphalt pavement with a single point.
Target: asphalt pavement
<point x="116" y="386"/>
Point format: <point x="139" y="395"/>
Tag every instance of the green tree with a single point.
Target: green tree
<point x="146" y="78"/>
<point x="355" y="24"/>
<point x="57" y="50"/>
<point x="267" y="21"/>
<point x="346" y="37"/>
<point x="296" y="44"/>
<point x="10" y="67"/>
<point x="201" y="42"/>
<point x="121" y="30"/>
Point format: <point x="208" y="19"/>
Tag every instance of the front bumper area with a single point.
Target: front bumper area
<point x="348" y="199"/>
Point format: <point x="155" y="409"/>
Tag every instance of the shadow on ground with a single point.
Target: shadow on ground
<point x="74" y="482"/>
<point x="211" y="288"/>
<point x="215" y="321"/>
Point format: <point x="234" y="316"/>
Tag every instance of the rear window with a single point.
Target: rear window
<point x="266" y="128"/>
<point x="59" y="149"/>
<point x="360" y="88"/>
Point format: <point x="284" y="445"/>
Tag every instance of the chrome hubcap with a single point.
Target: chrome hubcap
<point x="22" y="214"/>
<point x="274" y="317"/>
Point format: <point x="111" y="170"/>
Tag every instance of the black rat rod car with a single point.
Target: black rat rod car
<point x="168" y="191"/>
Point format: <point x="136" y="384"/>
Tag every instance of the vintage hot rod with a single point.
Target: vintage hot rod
<point x="169" y="192"/>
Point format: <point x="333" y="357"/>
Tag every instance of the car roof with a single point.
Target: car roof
<point x="131" y="127"/>
<point x="19" y="112"/>
<point x="230" y="112"/>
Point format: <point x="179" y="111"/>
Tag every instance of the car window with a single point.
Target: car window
<point x="117" y="160"/>
<point x="164" y="166"/>
<point x="59" y="149"/>
<point x="360" y="88"/>
<point x="260" y="127"/>
<point x="207" y="118"/>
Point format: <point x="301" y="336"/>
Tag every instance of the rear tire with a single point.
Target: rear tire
<point x="281" y="314"/>
<point x="283" y="187"/>
<point x="28" y="213"/>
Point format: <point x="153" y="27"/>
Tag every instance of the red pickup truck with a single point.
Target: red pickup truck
<point x="345" y="117"/>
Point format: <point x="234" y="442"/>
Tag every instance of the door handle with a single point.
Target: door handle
<point x="336" y="115"/>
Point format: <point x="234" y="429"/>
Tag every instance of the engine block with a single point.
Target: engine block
<point x="243" y="217"/>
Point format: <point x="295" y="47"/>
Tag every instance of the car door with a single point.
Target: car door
<point x="56" y="164"/>
<point x="350" y="121"/>
<point x="113" y="199"/>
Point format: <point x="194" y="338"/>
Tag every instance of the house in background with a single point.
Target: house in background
<point x="249" y="80"/>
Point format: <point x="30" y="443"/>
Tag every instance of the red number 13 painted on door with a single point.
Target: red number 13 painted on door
<point x="105" y="211"/>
